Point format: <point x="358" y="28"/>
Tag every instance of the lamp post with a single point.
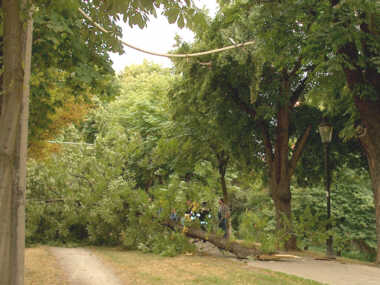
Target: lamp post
<point x="325" y="131"/>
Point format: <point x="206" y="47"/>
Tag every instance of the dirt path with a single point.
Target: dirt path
<point x="328" y="272"/>
<point x="83" y="268"/>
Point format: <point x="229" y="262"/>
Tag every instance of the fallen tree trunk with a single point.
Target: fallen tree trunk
<point x="240" y="250"/>
<point x="234" y="247"/>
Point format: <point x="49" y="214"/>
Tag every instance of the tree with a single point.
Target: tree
<point x="142" y="110"/>
<point x="17" y="35"/>
<point x="200" y="136"/>
<point x="263" y="94"/>
<point x="70" y="63"/>
<point x="342" y="41"/>
<point x="356" y="51"/>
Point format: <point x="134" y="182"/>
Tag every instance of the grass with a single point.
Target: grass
<point x="41" y="268"/>
<point x="136" y="268"/>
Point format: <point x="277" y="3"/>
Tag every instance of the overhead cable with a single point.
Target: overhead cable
<point x="166" y="54"/>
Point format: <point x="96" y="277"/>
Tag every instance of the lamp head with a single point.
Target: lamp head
<point x="325" y="131"/>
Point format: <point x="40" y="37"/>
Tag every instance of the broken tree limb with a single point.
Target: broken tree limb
<point x="234" y="247"/>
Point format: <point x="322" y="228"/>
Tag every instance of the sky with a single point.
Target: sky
<point x="158" y="36"/>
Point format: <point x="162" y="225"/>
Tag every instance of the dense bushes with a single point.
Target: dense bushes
<point x="352" y="214"/>
<point x="84" y="194"/>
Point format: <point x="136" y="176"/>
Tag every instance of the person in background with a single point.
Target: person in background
<point x="223" y="215"/>
<point x="173" y="215"/>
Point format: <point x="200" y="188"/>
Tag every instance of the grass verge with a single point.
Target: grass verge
<point x="41" y="268"/>
<point x="147" y="269"/>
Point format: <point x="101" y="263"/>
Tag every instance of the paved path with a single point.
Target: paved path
<point x="83" y="268"/>
<point x="324" y="271"/>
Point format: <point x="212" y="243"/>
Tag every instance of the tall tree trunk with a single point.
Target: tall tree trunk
<point x="370" y="140"/>
<point x="280" y="172"/>
<point x="13" y="140"/>
<point x="281" y="169"/>
<point x="1" y="68"/>
<point x="358" y="76"/>
<point x="370" y="118"/>
<point x="281" y="196"/>
<point x="222" y="167"/>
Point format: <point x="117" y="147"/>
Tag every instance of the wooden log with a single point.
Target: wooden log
<point x="276" y="257"/>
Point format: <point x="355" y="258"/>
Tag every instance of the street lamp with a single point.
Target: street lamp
<point x="325" y="131"/>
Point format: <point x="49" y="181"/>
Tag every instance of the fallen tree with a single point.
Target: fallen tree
<point x="240" y="250"/>
<point x="235" y="247"/>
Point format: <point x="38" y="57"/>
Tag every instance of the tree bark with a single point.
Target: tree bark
<point x="1" y="68"/>
<point x="13" y="140"/>
<point x="281" y="196"/>
<point x="358" y="76"/>
<point x="370" y="140"/>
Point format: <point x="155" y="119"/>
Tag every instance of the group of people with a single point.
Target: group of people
<point x="203" y="214"/>
<point x="194" y="212"/>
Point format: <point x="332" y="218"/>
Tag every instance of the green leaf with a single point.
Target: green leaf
<point x="172" y="15"/>
<point x="181" y="21"/>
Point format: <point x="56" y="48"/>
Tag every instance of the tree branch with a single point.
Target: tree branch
<point x="241" y="104"/>
<point x="297" y="93"/>
<point x="84" y="178"/>
<point x="234" y="247"/>
<point x="296" y="67"/>
<point x="300" y="145"/>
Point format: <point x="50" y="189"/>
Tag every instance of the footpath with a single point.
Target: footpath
<point x="332" y="272"/>
<point x="83" y="268"/>
<point x="324" y="271"/>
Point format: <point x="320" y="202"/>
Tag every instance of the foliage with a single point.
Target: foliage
<point x="140" y="166"/>
<point x="112" y="191"/>
<point x="85" y="195"/>
<point x="71" y="57"/>
<point x="70" y="62"/>
<point x="353" y="214"/>
<point x="259" y="228"/>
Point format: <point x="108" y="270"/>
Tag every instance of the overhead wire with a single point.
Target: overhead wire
<point x="186" y="55"/>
